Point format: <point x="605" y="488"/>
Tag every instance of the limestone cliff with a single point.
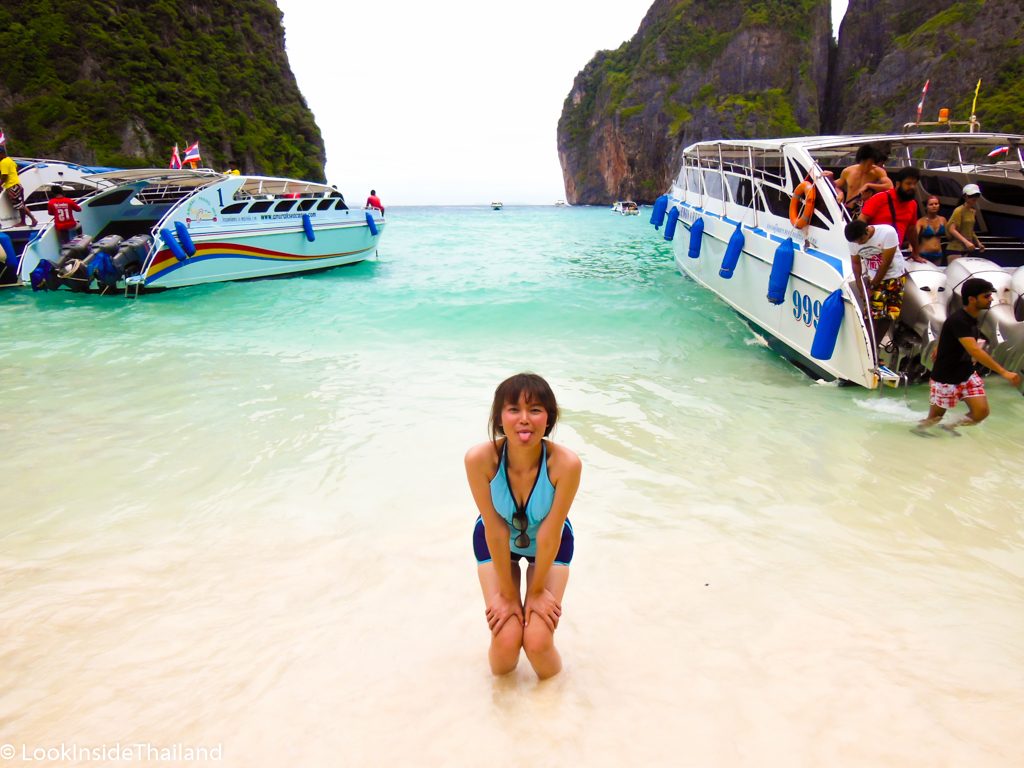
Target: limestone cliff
<point x="888" y="48"/>
<point x="119" y="82"/>
<point x="695" y="69"/>
<point x="705" y="69"/>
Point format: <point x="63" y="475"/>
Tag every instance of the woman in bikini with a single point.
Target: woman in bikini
<point x="931" y="228"/>
<point x="523" y="485"/>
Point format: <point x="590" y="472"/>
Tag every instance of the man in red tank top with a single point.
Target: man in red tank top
<point x="61" y="207"/>
<point x="374" y="202"/>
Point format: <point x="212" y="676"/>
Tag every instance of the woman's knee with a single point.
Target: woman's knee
<point x="510" y="639"/>
<point x="537" y="637"/>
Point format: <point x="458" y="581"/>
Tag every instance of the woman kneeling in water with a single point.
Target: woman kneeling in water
<point x="523" y="486"/>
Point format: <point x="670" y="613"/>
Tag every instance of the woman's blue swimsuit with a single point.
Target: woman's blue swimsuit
<point x="926" y="231"/>
<point x="538" y="505"/>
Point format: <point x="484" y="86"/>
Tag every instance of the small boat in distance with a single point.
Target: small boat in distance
<point x="626" y="208"/>
<point x="496" y="205"/>
<point x="559" y="203"/>
<point x="157" y="228"/>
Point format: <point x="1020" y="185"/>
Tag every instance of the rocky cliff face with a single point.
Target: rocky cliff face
<point x="698" y="69"/>
<point x="119" y="83"/>
<point x="888" y="48"/>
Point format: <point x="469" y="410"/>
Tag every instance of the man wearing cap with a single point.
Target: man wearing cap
<point x="962" y="239"/>
<point x="953" y="376"/>
<point x="12" y="187"/>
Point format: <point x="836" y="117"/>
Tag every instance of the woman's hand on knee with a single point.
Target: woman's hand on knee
<point x="499" y="610"/>
<point x="544" y="605"/>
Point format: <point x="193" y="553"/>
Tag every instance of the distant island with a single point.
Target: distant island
<point x="703" y="69"/>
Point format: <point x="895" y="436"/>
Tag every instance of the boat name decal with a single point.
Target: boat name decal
<point x="688" y="214"/>
<point x="200" y="210"/>
<point x="805" y="309"/>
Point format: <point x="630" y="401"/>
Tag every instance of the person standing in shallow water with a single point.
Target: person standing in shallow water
<point x="523" y="485"/>
<point x="953" y="375"/>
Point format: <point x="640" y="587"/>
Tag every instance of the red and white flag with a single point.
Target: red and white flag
<point x="920" y="104"/>
<point x="3" y="139"/>
<point x="175" y="159"/>
<point x="192" y="154"/>
<point x="999" y="151"/>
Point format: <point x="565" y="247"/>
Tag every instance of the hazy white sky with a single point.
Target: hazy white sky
<point x="455" y="101"/>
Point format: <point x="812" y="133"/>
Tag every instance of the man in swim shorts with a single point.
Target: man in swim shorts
<point x="13" y="189"/>
<point x="953" y="375"/>
<point x="875" y="254"/>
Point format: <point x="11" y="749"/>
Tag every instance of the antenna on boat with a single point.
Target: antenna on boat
<point x="974" y="106"/>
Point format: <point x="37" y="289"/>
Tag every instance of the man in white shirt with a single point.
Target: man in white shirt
<point x="876" y="256"/>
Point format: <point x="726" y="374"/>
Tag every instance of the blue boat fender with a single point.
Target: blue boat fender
<point x="782" y="266"/>
<point x="732" y="253"/>
<point x="371" y="223"/>
<point x="696" y="238"/>
<point x="172" y="244"/>
<point x="670" y="226"/>
<point x="8" y="248"/>
<point x="827" y="332"/>
<point x="307" y="225"/>
<point x="185" y="238"/>
<point x="658" y="214"/>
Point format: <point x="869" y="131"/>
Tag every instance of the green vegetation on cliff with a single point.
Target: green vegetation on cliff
<point x="119" y="83"/>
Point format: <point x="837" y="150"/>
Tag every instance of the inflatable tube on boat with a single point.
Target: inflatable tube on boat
<point x="696" y="238"/>
<point x="732" y="254"/>
<point x="8" y="248"/>
<point x="670" y="225"/>
<point x="172" y="245"/>
<point x="782" y="265"/>
<point x="371" y="223"/>
<point x="827" y="332"/>
<point x="44" y="277"/>
<point x="658" y="214"/>
<point x="185" y="238"/>
<point x="307" y="226"/>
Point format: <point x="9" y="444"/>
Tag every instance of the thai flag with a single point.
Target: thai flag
<point x="920" y="104"/>
<point x="999" y="151"/>
<point x="175" y="159"/>
<point x="192" y="154"/>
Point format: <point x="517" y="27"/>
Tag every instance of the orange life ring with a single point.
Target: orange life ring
<point x="801" y="205"/>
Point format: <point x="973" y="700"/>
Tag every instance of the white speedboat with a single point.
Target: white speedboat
<point x="559" y="203"/>
<point x="761" y="227"/>
<point x="497" y="206"/>
<point x="38" y="177"/>
<point x="626" y="208"/>
<point x="160" y="228"/>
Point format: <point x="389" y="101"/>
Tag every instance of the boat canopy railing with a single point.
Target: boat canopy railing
<point x="162" y="194"/>
<point x="752" y="180"/>
<point x="269" y="188"/>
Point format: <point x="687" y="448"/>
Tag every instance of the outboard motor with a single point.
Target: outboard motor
<point x="71" y="269"/>
<point x="131" y="254"/>
<point x="77" y="248"/>
<point x="109" y="244"/>
<point x="99" y="263"/>
<point x="924" y="306"/>
<point x="1003" y="330"/>
<point x="1017" y="288"/>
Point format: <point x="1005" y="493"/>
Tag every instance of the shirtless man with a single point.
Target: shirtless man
<point x="859" y="181"/>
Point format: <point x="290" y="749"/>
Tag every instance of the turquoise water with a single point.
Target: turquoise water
<point x="236" y="514"/>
